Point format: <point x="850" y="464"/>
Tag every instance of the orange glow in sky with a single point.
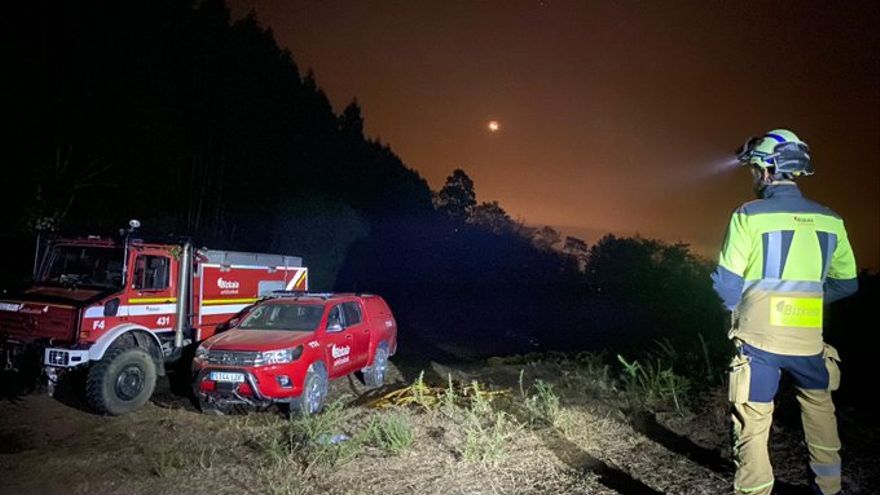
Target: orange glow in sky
<point x="622" y="110"/>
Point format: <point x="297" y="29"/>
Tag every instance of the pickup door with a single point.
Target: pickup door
<point x="345" y="349"/>
<point x="360" y="330"/>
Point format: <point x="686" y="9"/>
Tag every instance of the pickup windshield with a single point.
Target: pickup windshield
<point x="278" y="316"/>
<point x="83" y="266"/>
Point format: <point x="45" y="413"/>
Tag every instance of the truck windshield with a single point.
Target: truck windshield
<point x="293" y="317"/>
<point x="83" y="266"/>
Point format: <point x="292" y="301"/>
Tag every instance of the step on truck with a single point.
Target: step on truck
<point x="125" y="307"/>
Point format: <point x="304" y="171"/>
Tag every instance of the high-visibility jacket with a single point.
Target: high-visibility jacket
<point x="783" y="257"/>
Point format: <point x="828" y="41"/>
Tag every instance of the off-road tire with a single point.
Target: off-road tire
<point x="374" y="375"/>
<point x="316" y="381"/>
<point x="122" y="381"/>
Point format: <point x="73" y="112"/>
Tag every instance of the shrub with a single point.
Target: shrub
<point x="392" y="433"/>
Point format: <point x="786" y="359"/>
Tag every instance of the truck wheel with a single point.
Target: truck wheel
<point x="314" y="392"/>
<point x="374" y="375"/>
<point x="122" y="381"/>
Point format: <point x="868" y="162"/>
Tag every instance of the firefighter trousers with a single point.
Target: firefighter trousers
<point x="754" y="381"/>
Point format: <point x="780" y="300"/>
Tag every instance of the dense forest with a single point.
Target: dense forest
<point x="197" y="124"/>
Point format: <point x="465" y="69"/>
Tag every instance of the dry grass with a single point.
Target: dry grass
<point x="539" y="426"/>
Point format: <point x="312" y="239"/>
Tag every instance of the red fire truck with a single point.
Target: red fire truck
<point x="126" y="307"/>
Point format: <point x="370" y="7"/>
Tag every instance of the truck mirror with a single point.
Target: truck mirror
<point x="334" y="327"/>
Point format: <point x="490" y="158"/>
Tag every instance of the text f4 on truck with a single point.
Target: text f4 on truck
<point x="125" y="308"/>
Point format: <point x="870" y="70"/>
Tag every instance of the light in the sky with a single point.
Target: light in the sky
<point x="493" y="126"/>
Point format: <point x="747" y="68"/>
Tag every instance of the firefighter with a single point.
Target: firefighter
<point x="783" y="257"/>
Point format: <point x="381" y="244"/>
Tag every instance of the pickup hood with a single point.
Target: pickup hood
<point x="257" y="340"/>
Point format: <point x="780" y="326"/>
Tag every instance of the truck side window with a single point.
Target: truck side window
<point x="151" y="272"/>
<point x="352" y="312"/>
<point x="335" y="316"/>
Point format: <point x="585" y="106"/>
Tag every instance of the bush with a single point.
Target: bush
<point x="391" y="433"/>
<point x="654" y="382"/>
<point x="314" y="439"/>
<point x="487" y="438"/>
<point x="543" y="406"/>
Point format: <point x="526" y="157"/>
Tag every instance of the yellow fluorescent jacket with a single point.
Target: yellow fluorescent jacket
<point x="783" y="257"/>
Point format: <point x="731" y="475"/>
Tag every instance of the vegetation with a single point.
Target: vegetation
<point x="391" y="433"/>
<point x="318" y="439"/>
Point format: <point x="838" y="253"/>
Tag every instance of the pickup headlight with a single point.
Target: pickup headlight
<point x="201" y="352"/>
<point x="278" y="357"/>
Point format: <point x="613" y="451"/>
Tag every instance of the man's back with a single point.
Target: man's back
<point x="783" y="255"/>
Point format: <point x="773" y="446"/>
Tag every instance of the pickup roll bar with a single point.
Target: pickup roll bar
<point x="298" y="293"/>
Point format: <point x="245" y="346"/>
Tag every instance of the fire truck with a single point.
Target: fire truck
<point x="125" y="307"/>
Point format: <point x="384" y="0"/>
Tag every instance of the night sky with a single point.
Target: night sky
<point x="613" y="116"/>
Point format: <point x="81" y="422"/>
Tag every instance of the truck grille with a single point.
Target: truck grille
<point x="232" y="358"/>
<point x="58" y="358"/>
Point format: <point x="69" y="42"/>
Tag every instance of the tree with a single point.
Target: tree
<point x="491" y="216"/>
<point x="457" y="197"/>
<point x="577" y="249"/>
<point x="546" y="237"/>
<point x="351" y="122"/>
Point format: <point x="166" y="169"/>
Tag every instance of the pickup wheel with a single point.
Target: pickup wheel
<point x="374" y="375"/>
<point x="314" y="392"/>
<point x="122" y="381"/>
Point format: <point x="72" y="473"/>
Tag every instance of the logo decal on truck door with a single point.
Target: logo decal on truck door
<point x="340" y="354"/>
<point x="227" y="284"/>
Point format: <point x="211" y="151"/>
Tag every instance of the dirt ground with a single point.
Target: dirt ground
<point x="600" y="446"/>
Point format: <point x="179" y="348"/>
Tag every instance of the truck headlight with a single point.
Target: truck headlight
<point x="280" y="356"/>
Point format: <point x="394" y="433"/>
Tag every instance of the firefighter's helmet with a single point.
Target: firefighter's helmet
<point x="780" y="151"/>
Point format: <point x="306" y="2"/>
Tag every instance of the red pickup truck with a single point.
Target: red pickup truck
<point x="285" y="349"/>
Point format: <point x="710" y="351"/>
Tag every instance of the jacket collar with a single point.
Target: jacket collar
<point x="780" y="189"/>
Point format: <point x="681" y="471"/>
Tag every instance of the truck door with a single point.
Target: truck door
<point x="360" y="331"/>
<point x="152" y="294"/>
<point x="339" y="344"/>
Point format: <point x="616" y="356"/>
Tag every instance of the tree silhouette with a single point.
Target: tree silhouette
<point x="457" y="197"/>
<point x="491" y="216"/>
<point x="351" y="123"/>
<point x="577" y="249"/>
<point x="546" y="237"/>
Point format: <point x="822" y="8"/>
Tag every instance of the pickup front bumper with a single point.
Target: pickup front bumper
<point x="246" y="393"/>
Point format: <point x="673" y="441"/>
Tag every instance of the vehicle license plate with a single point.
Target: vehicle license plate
<point x="220" y="376"/>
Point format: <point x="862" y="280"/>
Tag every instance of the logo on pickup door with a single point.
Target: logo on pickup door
<point x="340" y="354"/>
